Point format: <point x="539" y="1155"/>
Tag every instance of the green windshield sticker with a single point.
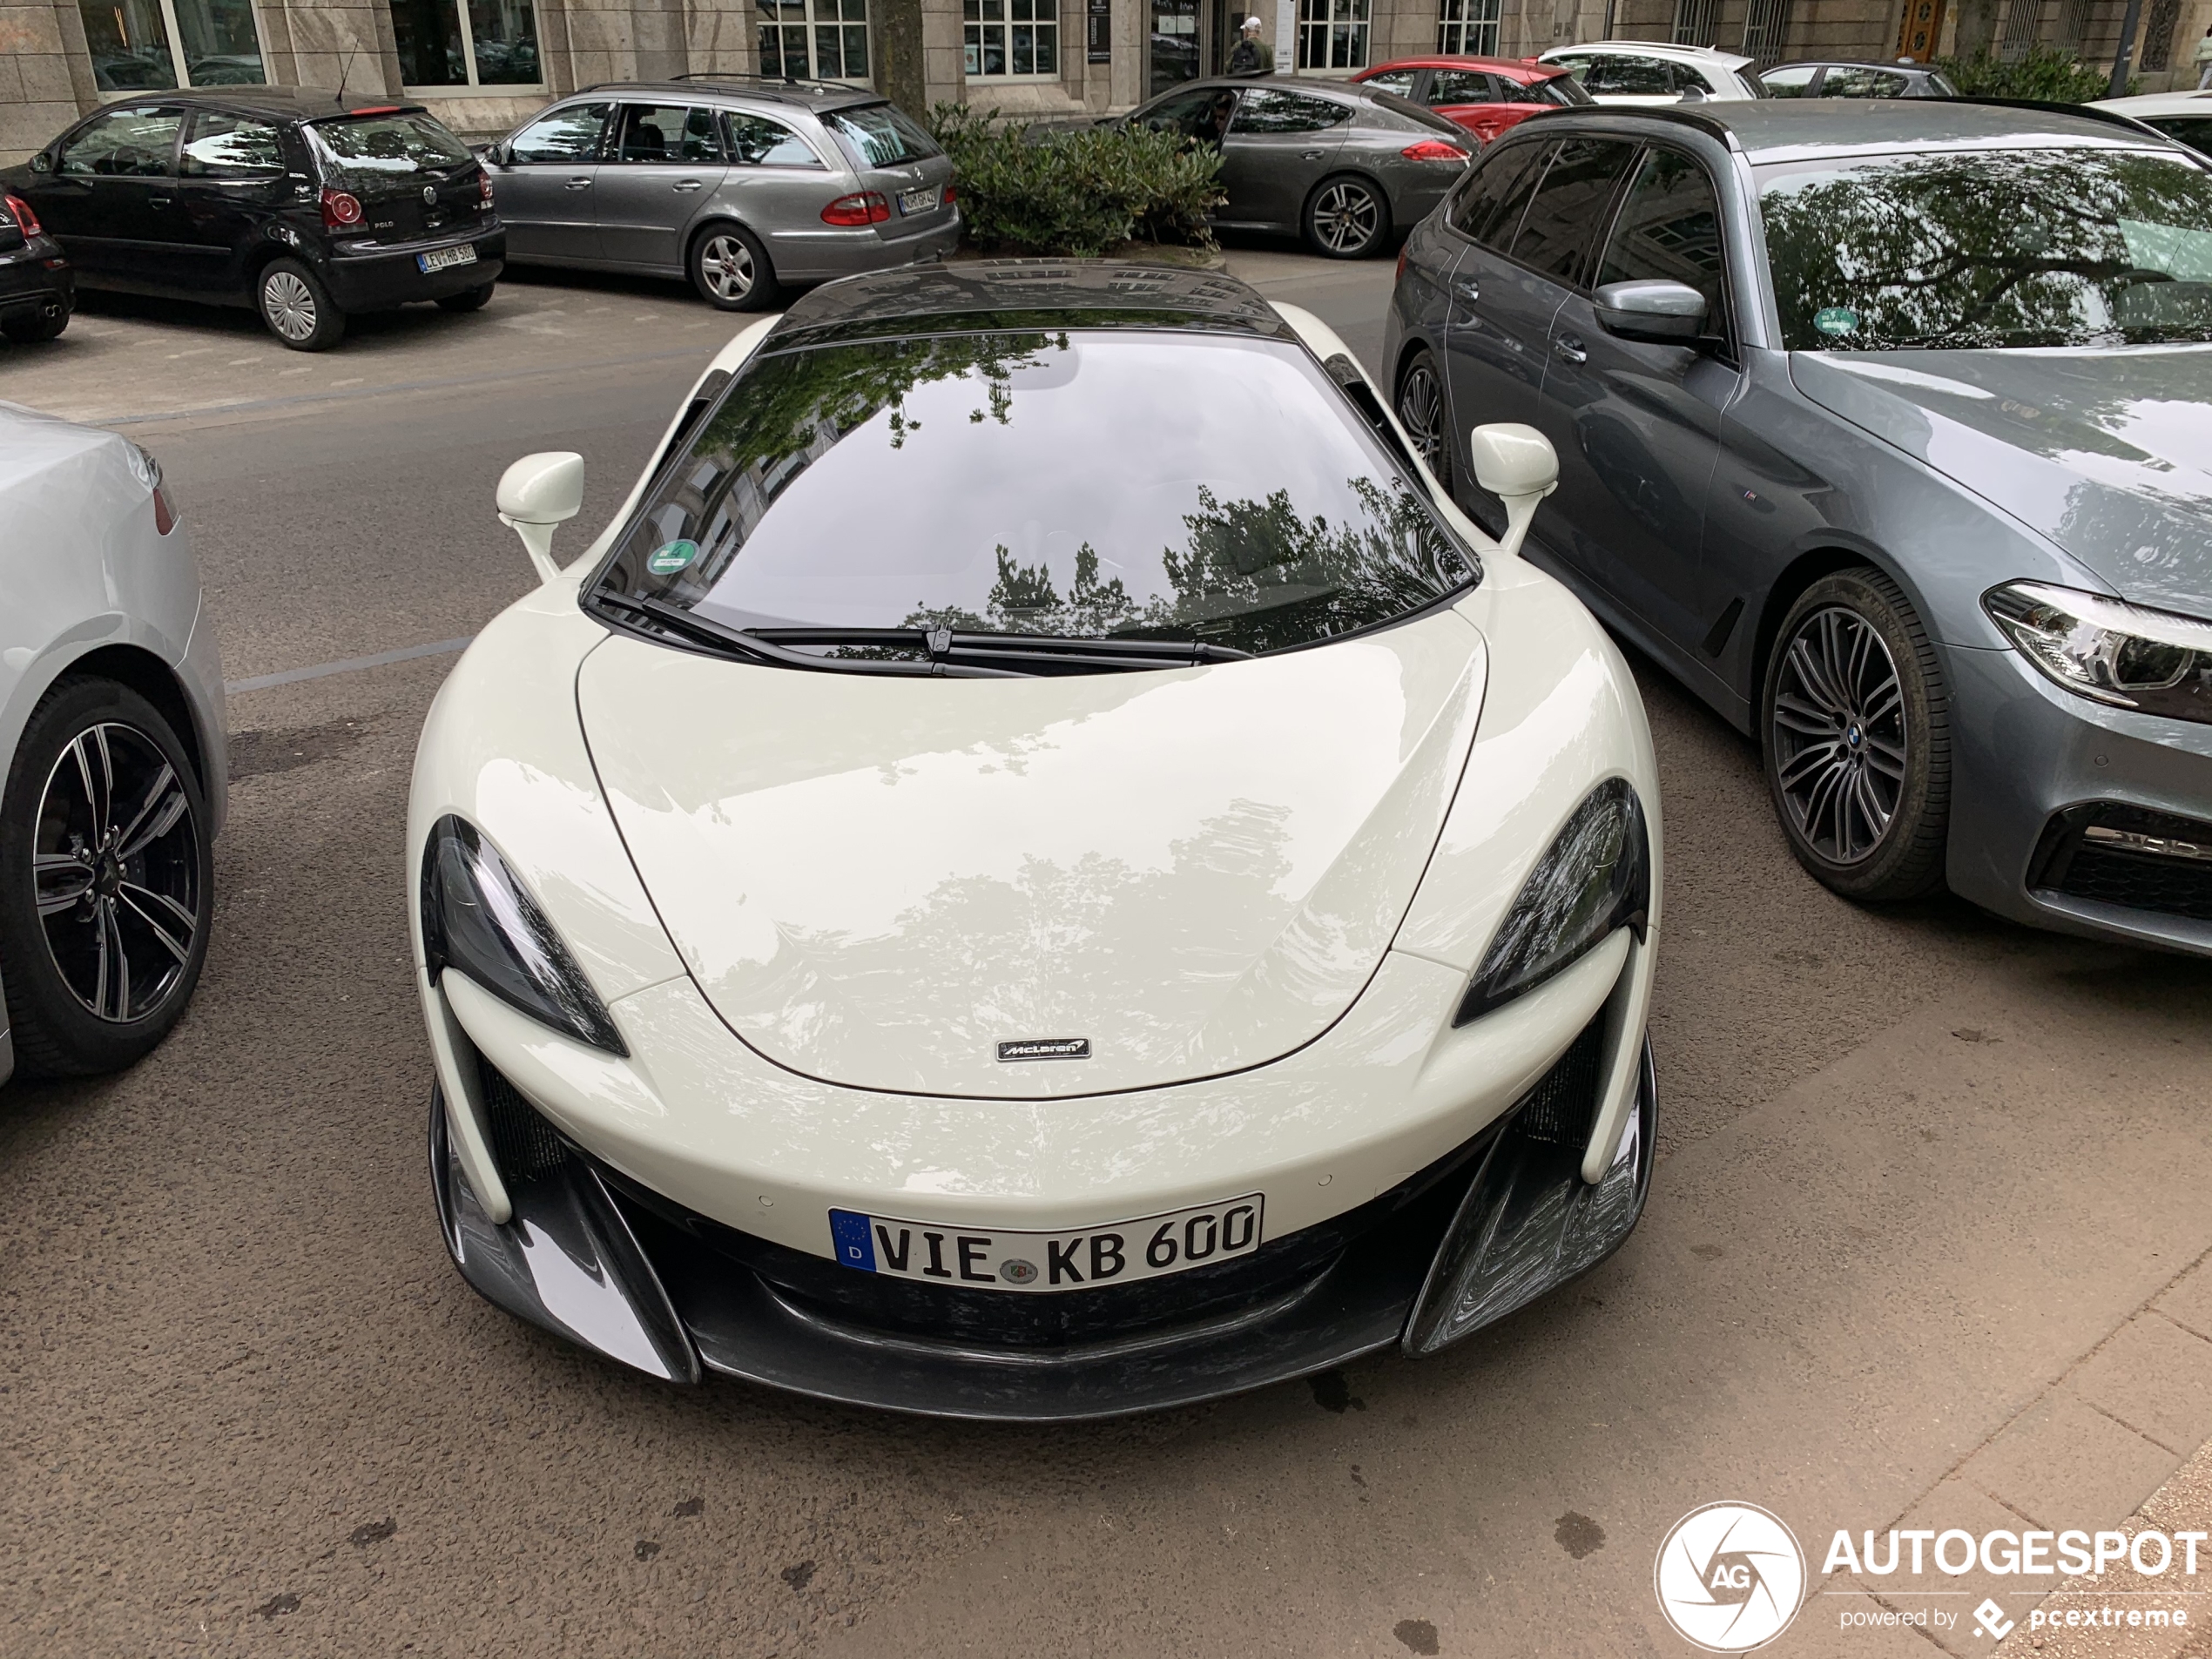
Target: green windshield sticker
<point x="672" y="556"/>
<point x="1835" y="320"/>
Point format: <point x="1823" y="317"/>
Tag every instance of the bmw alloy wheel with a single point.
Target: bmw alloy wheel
<point x="289" y="304"/>
<point x="1347" y="218"/>
<point x="117" y="868"/>
<point x="725" y="263"/>
<point x="1839" y="734"/>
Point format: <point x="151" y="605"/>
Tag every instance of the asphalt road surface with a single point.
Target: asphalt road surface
<point x="1920" y="1242"/>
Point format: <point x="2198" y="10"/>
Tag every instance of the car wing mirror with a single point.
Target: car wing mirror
<point x="42" y="162"/>
<point x="537" y="494"/>
<point x="1517" y="465"/>
<point x="1654" y="309"/>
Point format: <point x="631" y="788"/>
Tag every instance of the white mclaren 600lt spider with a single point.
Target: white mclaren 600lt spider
<point x="1039" y="869"/>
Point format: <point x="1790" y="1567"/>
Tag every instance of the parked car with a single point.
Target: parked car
<point x="38" y="288"/>
<point x="1821" y="459"/>
<point x="1128" y="934"/>
<point x="739" y="186"/>
<point x="1340" y="164"/>
<point x="307" y="205"/>
<point x="1651" y="72"/>
<point x="111" y="735"/>
<point x="1484" y="95"/>
<point x="1846" y="80"/>
<point x="2184" y="117"/>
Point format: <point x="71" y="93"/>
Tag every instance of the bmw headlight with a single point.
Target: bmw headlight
<point x="2108" y="650"/>
<point x="1594" y="877"/>
<point x="477" y="917"/>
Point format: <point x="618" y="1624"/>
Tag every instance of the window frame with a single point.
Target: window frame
<point x="478" y="88"/>
<point x="1477" y="36"/>
<point x="1725" y="343"/>
<point x="1500" y="154"/>
<point x="610" y="143"/>
<point x="810" y="24"/>
<point x="286" y="163"/>
<point x="1602" y="232"/>
<point x="1008" y="23"/>
<point x="175" y="42"/>
<point x="154" y="104"/>
<point x="1359" y="22"/>
<point x="1245" y="100"/>
<point x="1429" y="100"/>
<point x="724" y="115"/>
<point x="607" y="124"/>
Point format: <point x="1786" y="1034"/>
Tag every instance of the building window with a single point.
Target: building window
<point x="814" y="40"/>
<point x="2158" y="35"/>
<point x="1332" y="34"/>
<point x="2016" y="29"/>
<point x="467" y="42"/>
<point x="1766" y="32"/>
<point x="1010" y="37"/>
<point x="152" y="45"/>
<point x="1469" y="28"/>
<point x="1694" y="22"/>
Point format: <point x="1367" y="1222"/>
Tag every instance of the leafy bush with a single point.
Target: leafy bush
<point x="2046" y="72"/>
<point x="1078" y="192"/>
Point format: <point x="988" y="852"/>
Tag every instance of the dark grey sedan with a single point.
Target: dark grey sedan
<point x="741" y="186"/>
<point x="1343" y="166"/>
<point x="1884" y="426"/>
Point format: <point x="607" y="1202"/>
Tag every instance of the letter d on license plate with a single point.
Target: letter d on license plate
<point x="1000" y="1258"/>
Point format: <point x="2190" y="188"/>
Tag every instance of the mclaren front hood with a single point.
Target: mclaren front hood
<point x="2108" y="453"/>
<point x="878" y="881"/>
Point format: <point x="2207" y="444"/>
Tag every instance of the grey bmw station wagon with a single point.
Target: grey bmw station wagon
<point x="1885" y="426"/>
<point x="740" y="187"/>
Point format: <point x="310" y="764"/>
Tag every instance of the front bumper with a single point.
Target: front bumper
<point x="377" y="279"/>
<point x="2034" y="764"/>
<point x="604" y="1262"/>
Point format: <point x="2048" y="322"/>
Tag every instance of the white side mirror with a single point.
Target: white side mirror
<point x="537" y="493"/>
<point x="1517" y="465"/>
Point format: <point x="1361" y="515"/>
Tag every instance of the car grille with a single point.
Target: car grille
<point x="2126" y="855"/>
<point x="524" y="1145"/>
<point x="1561" y="1109"/>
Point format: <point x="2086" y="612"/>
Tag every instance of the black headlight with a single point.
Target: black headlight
<point x="477" y="917"/>
<point x="2109" y="650"/>
<point x="1594" y="877"/>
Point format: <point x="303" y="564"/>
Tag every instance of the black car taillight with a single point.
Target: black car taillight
<point x="340" y="210"/>
<point x="483" y="189"/>
<point x="25" y="219"/>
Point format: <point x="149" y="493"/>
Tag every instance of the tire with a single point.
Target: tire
<point x="29" y="331"/>
<point x="730" y="270"/>
<point x="296" y="307"/>
<point x="1856" y="726"/>
<point x="467" y="299"/>
<point x="145" y="903"/>
<point x="1424" y="414"/>
<point x="1346" y="218"/>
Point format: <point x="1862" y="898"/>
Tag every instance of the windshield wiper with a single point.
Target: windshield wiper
<point x="1014" y="653"/>
<point x="748" y="647"/>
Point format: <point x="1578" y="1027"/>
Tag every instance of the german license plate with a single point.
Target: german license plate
<point x="1004" y="1259"/>
<point x="922" y="199"/>
<point x="444" y="258"/>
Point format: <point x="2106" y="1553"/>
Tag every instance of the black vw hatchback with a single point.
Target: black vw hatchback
<point x="307" y="204"/>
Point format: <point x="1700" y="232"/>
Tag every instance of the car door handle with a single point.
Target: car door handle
<point x="579" y="184"/>
<point x="1471" y="292"/>
<point x="688" y="184"/>
<point x="1570" y="349"/>
<point x="157" y="201"/>
<point x="1311" y="155"/>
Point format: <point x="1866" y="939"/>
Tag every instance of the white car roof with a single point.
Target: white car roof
<point x="2158" y="104"/>
<point x="1650" y="48"/>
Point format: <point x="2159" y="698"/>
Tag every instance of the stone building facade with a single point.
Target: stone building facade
<point x="483" y="64"/>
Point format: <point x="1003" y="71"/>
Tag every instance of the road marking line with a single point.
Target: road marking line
<point x="348" y="665"/>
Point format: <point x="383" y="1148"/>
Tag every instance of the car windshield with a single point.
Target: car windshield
<point x="1990" y="249"/>
<point x="880" y="136"/>
<point x="1093" y="484"/>
<point x="370" y="151"/>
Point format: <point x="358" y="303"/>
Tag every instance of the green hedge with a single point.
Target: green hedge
<point x="2045" y="72"/>
<point x="1080" y="193"/>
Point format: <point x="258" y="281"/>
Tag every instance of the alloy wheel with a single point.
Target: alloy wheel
<point x="1420" y="406"/>
<point x="1346" y="218"/>
<point x="726" y="263"/>
<point x="116" y="862"/>
<point x="1839" y="736"/>
<point x="290" y="305"/>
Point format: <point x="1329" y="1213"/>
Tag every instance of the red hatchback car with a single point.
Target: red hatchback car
<point x="1484" y="95"/>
